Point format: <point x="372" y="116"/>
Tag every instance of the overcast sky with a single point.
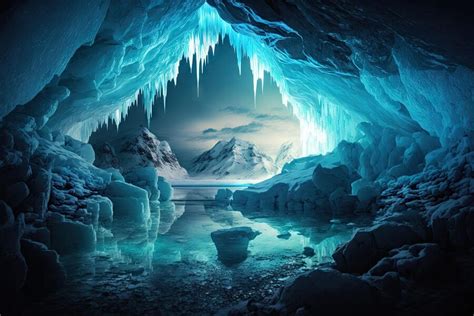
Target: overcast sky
<point x="225" y="108"/>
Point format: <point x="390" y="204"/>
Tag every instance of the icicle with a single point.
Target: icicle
<point x="322" y="123"/>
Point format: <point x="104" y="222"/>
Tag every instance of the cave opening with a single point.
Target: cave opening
<point x="104" y="106"/>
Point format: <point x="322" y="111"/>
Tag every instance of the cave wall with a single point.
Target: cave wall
<point x="378" y="63"/>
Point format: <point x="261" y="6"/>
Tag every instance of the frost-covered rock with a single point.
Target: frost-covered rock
<point x="81" y="149"/>
<point x="102" y="208"/>
<point x="233" y="159"/>
<point x="13" y="267"/>
<point x="327" y="291"/>
<point x="232" y="243"/>
<point x="327" y="180"/>
<point x="38" y="234"/>
<point x="45" y="273"/>
<point x="369" y="245"/>
<point x="129" y="202"/>
<point x="420" y="262"/>
<point x="16" y="193"/>
<point x="342" y="203"/>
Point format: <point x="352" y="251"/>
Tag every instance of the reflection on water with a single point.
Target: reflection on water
<point x="171" y="261"/>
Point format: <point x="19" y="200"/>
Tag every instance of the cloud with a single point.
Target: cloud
<point x="252" y="127"/>
<point x="270" y="117"/>
<point x="209" y="130"/>
<point x="236" y="109"/>
<point x="247" y="112"/>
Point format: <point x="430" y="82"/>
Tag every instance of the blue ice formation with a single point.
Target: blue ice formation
<point x="150" y="67"/>
<point x="385" y="78"/>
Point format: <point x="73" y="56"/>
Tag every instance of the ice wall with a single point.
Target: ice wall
<point x="107" y="77"/>
<point x="337" y="65"/>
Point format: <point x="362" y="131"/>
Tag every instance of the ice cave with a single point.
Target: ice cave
<point x="236" y="157"/>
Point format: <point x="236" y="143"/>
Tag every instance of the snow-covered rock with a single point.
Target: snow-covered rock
<point x="233" y="159"/>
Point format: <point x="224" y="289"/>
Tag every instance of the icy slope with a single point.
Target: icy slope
<point x="234" y="159"/>
<point x="139" y="148"/>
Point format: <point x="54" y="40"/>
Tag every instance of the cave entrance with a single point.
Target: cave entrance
<point x="221" y="106"/>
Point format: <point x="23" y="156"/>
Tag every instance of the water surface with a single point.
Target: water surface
<point x="170" y="266"/>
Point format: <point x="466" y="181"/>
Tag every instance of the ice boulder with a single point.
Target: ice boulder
<point x="420" y="262"/>
<point x="223" y="196"/>
<point x="116" y="175"/>
<point x="166" y="190"/>
<point x="129" y="202"/>
<point x="327" y="180"/>
<point x="45" y="273"/>
<point x="232" y="243"/>
<point x="145" y="178"/>
<point x="370" y="244"/>
<point x="70" y="237"/>
<point x="81" y="149"/>
<point x="40" y="191"/>
<point x="102" y="209"/>
<point x="39" y="234"/>
<point x="329" y="292"/>
<point x="342" y="203"/>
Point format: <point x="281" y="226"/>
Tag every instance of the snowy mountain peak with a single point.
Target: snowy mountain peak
<point x="141" y="148"/>
<point x="286" y="153"/>
<point x="233" y="159"/>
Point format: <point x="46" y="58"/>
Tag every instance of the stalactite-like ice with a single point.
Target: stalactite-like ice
<point x="323" y="123"/>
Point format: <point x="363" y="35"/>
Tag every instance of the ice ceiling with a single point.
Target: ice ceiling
<point x="336" y="64"/>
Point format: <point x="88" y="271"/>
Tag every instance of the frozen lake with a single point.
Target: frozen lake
<point x="170" y="267"/>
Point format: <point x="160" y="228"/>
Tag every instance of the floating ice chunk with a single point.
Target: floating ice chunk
<point x="232" y="243"/>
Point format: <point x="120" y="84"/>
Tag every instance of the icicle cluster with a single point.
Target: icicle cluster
<point x="323" y="124"/>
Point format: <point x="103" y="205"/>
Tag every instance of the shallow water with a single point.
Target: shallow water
<point x="170" y="266"/>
